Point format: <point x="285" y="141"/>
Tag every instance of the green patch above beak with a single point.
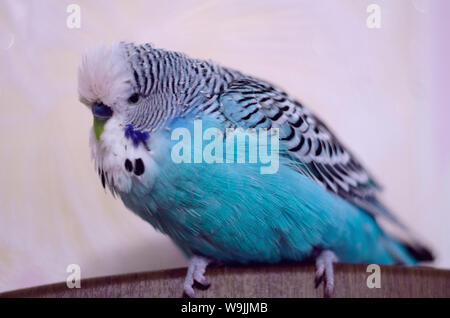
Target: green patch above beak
<point x="101" y="114"/>
<point x="99" y="126"/>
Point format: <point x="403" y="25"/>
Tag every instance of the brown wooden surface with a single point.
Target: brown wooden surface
<point x="257" y="281"/>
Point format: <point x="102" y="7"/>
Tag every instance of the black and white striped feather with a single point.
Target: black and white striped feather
<point x="316" y="151"/>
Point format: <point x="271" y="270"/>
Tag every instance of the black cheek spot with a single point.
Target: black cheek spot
<point x="128" y="165"/>
<point x="139" y="167"/>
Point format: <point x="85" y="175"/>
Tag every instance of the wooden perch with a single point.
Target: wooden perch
<point x="258" y="281"/>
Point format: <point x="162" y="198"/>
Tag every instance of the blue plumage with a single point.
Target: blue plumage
<point x="135" y="135"/>
<point x="233" y="213"/>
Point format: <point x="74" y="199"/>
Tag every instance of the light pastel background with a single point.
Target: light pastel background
<point x="384" y="91"/>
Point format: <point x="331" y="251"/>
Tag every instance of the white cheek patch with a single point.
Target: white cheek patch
<point x="121" y="161"/>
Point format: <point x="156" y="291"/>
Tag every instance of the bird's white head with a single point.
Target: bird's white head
<point x="104" y="76"/>
<point x="106" y="85"/>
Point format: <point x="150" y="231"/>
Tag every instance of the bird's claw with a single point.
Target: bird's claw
<point x="324" y="271"/>
<point x="196" y="274"/>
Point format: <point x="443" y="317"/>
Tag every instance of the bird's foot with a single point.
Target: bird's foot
<point x="324" y="271"/>
<point x="196" y="273"/>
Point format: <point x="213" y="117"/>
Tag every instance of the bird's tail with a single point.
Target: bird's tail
<point x="400" y="241"/>
<point x="407" y="253"/>
<point x="420" y="252"/>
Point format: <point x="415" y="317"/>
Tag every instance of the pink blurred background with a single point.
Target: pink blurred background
<point x="384" y="91"/>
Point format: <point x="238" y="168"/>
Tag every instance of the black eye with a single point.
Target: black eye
<point x="133" y="98"/>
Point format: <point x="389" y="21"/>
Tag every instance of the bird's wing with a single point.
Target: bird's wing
<point x="313" y="149"/>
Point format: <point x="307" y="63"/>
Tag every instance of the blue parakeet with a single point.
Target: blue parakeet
<point x="319" y="204"/>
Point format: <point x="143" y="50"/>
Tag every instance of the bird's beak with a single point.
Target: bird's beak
<point x="102" y="112"/>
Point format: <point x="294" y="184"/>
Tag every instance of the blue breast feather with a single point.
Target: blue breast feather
<point x="233" y="213"/>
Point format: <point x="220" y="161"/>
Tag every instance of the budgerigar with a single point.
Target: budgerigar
<point x="320" y="204"/>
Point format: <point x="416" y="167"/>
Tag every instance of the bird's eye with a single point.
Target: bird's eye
<point x="133" y="98"/>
